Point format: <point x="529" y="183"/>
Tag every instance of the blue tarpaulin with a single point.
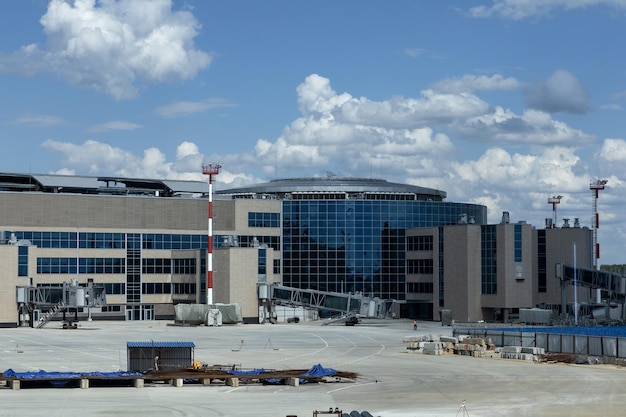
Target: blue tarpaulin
<point x="41" y="374"/>
<point x="318" y="371"/>
<point x="250" y="372"/>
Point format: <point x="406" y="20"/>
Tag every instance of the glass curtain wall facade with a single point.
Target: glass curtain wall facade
<point x="358" y="245"/>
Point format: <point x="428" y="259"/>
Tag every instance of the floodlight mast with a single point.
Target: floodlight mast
<point x="211" y="169"/>
<point x="595" y="187"/>
<point x="554" y="200"/>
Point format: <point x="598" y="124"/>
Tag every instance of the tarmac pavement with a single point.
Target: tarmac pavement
<point x="393" y="382"/>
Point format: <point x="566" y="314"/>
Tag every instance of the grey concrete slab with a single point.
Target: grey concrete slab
<point x="393" y="382"/>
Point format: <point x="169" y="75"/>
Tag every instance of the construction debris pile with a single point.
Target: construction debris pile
<point x="470" y="346"/>
<point x="218" y="373"/>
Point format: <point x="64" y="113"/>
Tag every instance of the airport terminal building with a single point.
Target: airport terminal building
<point x="145" y="241"/>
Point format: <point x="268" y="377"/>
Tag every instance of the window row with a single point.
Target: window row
<point x="185" y="266"/>
<point x="419" y="243"/>
<point x="419" y="287"/>
<point x="153" y="288"/>
<point x="240" y="241"/>
<point x="174" y="241"/>
<point x="256" y="219"/>
<point x="420" y="266"/>
<point x="87" y="266"/>
<point x="96" y="240"/>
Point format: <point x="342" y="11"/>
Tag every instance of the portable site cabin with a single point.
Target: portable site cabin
<point x="159" y="356"/>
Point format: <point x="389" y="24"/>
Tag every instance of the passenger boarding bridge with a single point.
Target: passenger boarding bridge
<point x="348" y="306"/>
<point x="38" y="305"/>
<point x="611" y="287"/>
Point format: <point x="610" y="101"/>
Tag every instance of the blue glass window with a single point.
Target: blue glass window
<point x="256" y="219"/>
<point x="22" y="261"/>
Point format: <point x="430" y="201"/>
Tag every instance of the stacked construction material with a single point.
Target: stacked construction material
<point x="521" y="353"/>
<point x="429" y="344"/>
<point x="477" y="347"/>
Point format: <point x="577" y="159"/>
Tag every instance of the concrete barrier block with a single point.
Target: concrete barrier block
<point x="512" y="349"/>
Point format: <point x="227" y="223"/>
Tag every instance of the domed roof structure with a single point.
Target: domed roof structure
<point x="349" y="188"/>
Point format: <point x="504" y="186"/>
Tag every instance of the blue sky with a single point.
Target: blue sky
<point x="499" y="102"/>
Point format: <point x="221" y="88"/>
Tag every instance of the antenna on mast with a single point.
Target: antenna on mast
<point x="595" y="187"/>
<point x="554" y="200"/>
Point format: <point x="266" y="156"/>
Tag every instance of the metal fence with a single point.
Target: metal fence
<point x="554" y="341"/>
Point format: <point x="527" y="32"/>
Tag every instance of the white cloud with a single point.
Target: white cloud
<point x="532" y="127"/>
<point x="413" y="52"/>
<point x="183" y="108"/>
<point x="113" y="125"/>
<point x="471" y="83"/>
<point x="111" y="45"/>
<point x="94" y="157"/>
<point x="41" y="120"/>
<point x="515" y="161"/>
<point x="562" y="91"/>
<point x="522" y="9"/>
<point x="521" y="183"/>
<point x="614" y="150"/>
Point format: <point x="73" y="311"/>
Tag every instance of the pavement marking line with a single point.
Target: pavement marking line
<point x="305" y="354"/>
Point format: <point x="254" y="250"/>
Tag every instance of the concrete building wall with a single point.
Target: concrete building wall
<point x="515" y="278"/>
<point x="240" y="266"/>
<point x="69" y="211"/>
<point x="224" y="216"/>
<point x="560" y="244"/>
<point x="260" y="206"/>
<point x="462" y="273"/>
<point x="10" y="280"/>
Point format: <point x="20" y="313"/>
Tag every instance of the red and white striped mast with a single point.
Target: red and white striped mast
<point x="210" y="169"/>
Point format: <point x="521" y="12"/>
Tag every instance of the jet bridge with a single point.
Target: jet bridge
<point x="38" y="305"/>
<point x="349" y="306"/>
<point x="612" y="284"/>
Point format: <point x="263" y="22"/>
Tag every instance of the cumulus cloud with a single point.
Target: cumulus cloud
<point x="614" y="150"/>
<point x="531" y="127"/>
<point x="113" y="125"/>
<point x="561" y="92"/>
<point x="112" y="45"/>
<point x="515" y="161"/>
<point x="519" y="182"/>
<point x="183" y="108"/>
<point x="522" y="9"/>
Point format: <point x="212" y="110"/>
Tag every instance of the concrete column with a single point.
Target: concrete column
<point x="206" y="381"/>
<point x="178" y="382"/>
<point x="84" y="383"/>
<point x="15" y="384"/>
<point x="294" y="382"/>
<point x="139" y="383"/>
<point x="232" y="382"/>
